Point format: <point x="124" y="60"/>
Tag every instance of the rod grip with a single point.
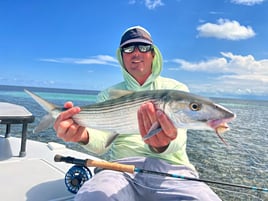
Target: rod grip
<point x="110" y="166"/>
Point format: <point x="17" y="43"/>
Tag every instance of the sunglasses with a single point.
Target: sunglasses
<point x="142" y="48"/>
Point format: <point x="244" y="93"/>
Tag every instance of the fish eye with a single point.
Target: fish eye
<point x="195" y="106"/>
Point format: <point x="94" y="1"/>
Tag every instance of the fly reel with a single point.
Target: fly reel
<point x="76" y="177"/>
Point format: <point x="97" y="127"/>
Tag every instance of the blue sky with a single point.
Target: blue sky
<point x="216" y="47"/>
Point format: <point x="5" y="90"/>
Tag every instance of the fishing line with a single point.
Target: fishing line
<point x="132" y="169"/>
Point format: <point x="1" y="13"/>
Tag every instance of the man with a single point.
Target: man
<point x="141" y="63"/>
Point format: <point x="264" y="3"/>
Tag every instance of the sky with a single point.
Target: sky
<point x="217" y="48"/>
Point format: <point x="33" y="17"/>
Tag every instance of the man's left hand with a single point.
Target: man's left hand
<point x="147" y="116"/>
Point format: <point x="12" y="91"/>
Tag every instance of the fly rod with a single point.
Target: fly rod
<point x="132" y="169"/>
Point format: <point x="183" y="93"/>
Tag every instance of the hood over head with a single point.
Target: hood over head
<point x="139" y="34"/>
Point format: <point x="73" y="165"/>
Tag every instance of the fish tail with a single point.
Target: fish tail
<point x="46" y="105"/>
<point x="48" y="120"/>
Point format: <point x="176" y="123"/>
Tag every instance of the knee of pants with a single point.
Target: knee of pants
<point x="104" y="186"/>
<point x="91" y="196"/>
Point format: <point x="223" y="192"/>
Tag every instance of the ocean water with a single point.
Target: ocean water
<point x="244" y="161"/>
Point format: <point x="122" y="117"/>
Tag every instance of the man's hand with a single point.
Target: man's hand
<point x="67" y="129"/>
<point x="147" y="116"/>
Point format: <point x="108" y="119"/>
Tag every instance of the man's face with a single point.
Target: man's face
<point x="137" y="63"/>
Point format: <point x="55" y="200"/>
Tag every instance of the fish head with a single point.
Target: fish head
<point x="193" y="112"/>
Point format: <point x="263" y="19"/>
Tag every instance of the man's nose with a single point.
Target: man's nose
<point x="136" y="49"/>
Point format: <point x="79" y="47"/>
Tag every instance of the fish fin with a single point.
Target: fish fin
<point x="42" y="102"/>
<point x="155" y="128"/>
<point x="116" y="93"/>
<point x="220" y="130"/>
<point x="111" y="139"/>
<point x="222" y="139"/>
<point x="46" y="122"/>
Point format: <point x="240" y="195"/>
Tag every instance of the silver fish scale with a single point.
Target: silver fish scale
<point x="116" y="115"/>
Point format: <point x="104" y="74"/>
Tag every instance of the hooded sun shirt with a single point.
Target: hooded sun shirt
<point x="131" y="84"/>
<point x="132" y="145"/>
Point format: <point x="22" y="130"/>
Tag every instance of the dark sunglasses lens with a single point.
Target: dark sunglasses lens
<point x="128" y="49"/>
<point x="142" y="48"/>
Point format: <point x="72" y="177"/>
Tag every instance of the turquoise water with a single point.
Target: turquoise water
<point x="244" y="161"/>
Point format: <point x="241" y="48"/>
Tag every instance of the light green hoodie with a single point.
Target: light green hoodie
<point x="132" y="145"/>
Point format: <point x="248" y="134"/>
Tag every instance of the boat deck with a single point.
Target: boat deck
<point x="16" y="114"/>
<point x="35" y="176"/>
<point x="29" y="172"/>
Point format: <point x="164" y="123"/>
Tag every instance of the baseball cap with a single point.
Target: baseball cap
<point x="136" y="34"/>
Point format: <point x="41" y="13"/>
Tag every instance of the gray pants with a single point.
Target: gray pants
<point x="118" y="186"/>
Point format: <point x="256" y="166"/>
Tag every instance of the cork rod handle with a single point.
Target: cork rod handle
<point x="110" y="166"/>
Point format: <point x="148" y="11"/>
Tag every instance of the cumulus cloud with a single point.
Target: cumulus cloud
<point x="233" y="74"/>
<point x="247" y="2"/>
<point x="99" y="59"/>
<point x="229" y="63"/>
<point x="225" y="29"/>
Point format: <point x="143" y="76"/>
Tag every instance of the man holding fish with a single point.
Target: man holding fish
<point x="164" y="150"/>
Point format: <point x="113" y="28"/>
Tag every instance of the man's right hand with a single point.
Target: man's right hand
<point x="67" y="129"/>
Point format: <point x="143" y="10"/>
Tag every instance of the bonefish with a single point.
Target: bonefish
<point x="119" y="115"/>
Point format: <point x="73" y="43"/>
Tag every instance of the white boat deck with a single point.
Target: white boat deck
<point x="35" y="176"/>
<point x="27" y="168"/>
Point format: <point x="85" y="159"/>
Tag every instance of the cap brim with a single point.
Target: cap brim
<point x="136" y="40"/>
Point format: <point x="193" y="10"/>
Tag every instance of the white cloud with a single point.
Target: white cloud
<point x="99" y="59"/>
<point x="225" y="29"/>
<point x="229" y="63"/>
<point x="150" y="4"/>
<point x="247" y="2"/>
<point x="213" y="65"/>
<point x="233" y="74"/>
